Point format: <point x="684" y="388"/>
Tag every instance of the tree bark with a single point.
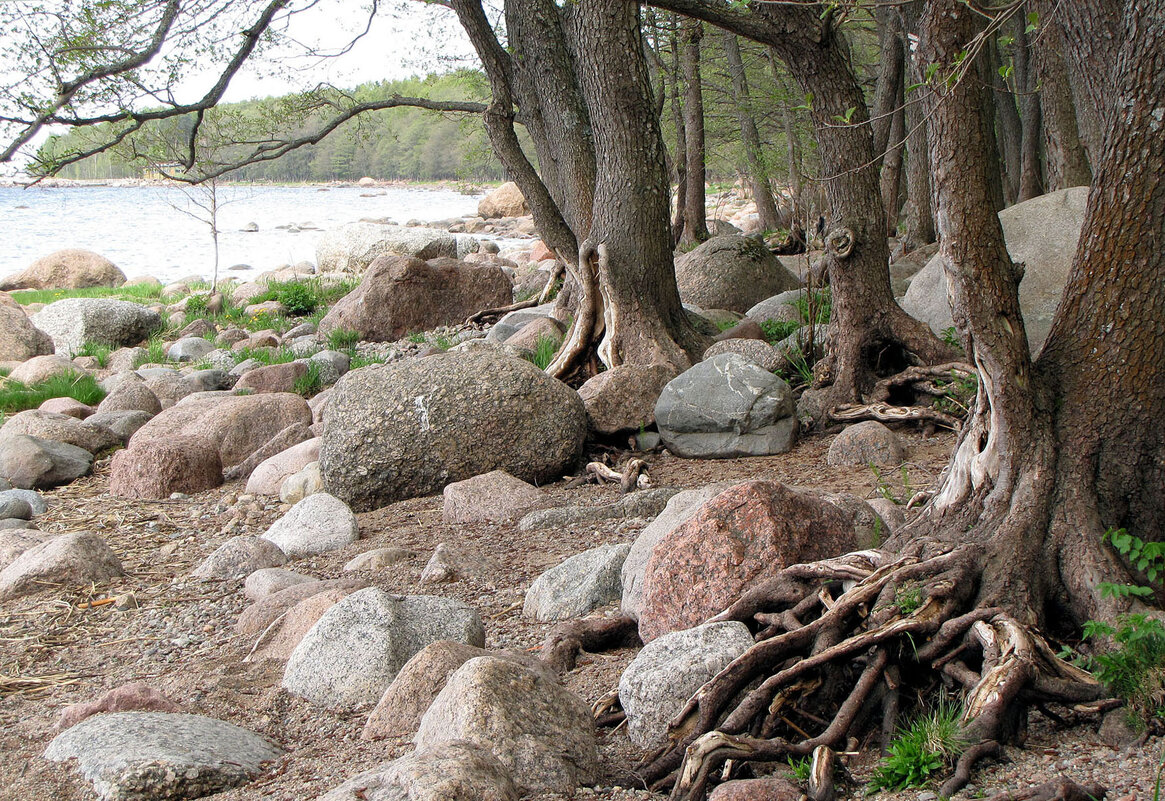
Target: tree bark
<point x="695" y="203"/>
<point x="889" y="115"/>
<point x="920" y="229"/>
<point x="758" y="175"/>
<point x="1031" y="183"/>
<point x="1007" y="121"/>
<point x="1067" y="162"/>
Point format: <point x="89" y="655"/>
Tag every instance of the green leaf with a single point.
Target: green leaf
<point x="1005" y="71"/>
<point x="931" y="69"/>
<point x="1033" y="22"/>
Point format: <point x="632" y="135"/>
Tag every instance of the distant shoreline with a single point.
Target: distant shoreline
<point x="475" y="188"/>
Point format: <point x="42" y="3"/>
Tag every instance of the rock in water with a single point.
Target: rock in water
<point x="353" y="247"/>
<point x="135" y="756"/>
<point x="408" y="429"/>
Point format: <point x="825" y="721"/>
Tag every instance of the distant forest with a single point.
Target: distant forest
<point x="394" y="144"/>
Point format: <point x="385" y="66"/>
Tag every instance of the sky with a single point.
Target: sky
<point x="406" y="38"/>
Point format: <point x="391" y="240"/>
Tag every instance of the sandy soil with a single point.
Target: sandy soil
<point x="178" y="634"/>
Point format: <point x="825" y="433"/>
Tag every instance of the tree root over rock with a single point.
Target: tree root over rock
<point x="842" y="639"/>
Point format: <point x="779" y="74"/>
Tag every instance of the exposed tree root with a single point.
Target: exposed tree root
<point x="886" y="413"/>
<point x="529" y="303"/>
<point x="1059" y="789"/>
<point x="562" y="646"/>
<point x="632" y="476"/>
<point x="841" y="637"/>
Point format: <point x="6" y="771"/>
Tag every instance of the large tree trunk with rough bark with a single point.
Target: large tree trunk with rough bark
<point x="1057" y="451"/>
<point x="1067" y="162"/>
<point x="1031" y="183"/>
<point x="579" y="79"/>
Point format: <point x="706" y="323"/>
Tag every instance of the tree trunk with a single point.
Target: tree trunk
<point x="891" y="176"/>
<point x="758" y="175"/>
<point x="1031" y="182"/>
<point x="695" y="203"/>
<point x="1007" y="121"/>
<point x="1059" y="451"/>
<point x="1067" y="162"/>
<point x="920" y="228"/>
<point x="681" y="157"/>
<point x="580" y="77"/>
<point x="889" y="115"/>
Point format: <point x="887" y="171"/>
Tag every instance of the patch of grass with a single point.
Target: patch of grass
<point x="97" y="350"/>
<point x="908" y="598"/>
<point x="359" y="361"/>
<point x="197" y="306"/>
<point x="302" y="297"/>
<point x="266" y="355"/>
<point x="155" y="352"/>
<point x="342" y="339"/>
<point x="800" y="768"/>
<point x="442" y="343"/>
<point x="778" y="330"/>
<point x="310" y="382"/>
<point x="802" y="369"/>
<point x="921" y="751"/>
<point x="16" y="397"/>
<point x="544" y="349"/>
<point x="136" y="293"/>
<point x="417" y="338"/>
<point x="822" y="302"/>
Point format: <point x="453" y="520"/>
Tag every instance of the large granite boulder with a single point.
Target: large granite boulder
<point x="72" y="268"/>
<point x="354" y="651"/>
<point x="543" y="733"/>
<point x="34" y="463"/>
<point x="155" y="471"/>
<point x="726" y="406"/>
<point x="505" y="201"/>
<point x="731" y="272"/>
<point x="408" y="429"/>
<point x="60" y="428"/>
<point x="623" y="398"/>
<point x="352" y="248"/>
<point x="1042" y="233"/>
<point x="741" y="537"/>
<point x="669" y="670"/>
<point x="74" y="321"/>
<point x="453" y="771"/>
<point x="140" y="755"/>
<point x="237" y="425"/>
<point x="19" y="338"/>
<point x="74" y="560"/>
<point x="403" y="294"/>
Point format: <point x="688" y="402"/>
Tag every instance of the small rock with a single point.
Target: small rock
<point x="238" y="557"/>
<point x="449" y="772"/>
<point x="317" y="524"/>
<point x="270" y="580"/>
<point x="133" y="697"/>
<point x="378" y="559"/>
<point x="73" y="560"/>
<point x="493" y="496"/>
<point x="583" y="582"/>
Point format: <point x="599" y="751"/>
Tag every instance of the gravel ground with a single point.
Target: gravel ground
<point x="178" y="634"/>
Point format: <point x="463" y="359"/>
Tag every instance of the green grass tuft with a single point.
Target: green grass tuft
<point x="310" y="382"/>
<point x="97" y="350"/>
<point x="922" y="751"/>
<point x="136" y="293"/>
<point x="16" y="397"/>
<point x="342" y="339"/>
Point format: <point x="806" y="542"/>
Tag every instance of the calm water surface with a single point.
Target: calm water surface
<point x="144" y="230"/>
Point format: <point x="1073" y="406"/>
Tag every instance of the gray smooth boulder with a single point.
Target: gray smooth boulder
<point x="732" y="272"/>
<point x="352" y="248"/>
<point x="73" y="560"/>
<point x="189" y="349"/>
<point x="317" y="524"/>
<point x="74" y="321"/>
<point x="34" y="499"/>
<point x="778" y="307"/>
<point x="449" y="772"/>
<point x="669" y="670"/>
<point x="543" y="733"/>
<point x="868" y="442"/>
<point x="410" y="428"/>
<point x="355" y="650"/>
<point x="581" y="583"/>
<point x="239" y="557"/>
<point x="726" y="406"/>
<point x="133" y="756"/>
<point x="1042" y="233"/>
<point x="33" y="463"/>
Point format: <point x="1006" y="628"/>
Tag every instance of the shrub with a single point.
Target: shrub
<point x="16" y="397"/>
<point x="778" y="330"/>
<point x="1134" y="668"/>
<point x="298" y="298"/>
